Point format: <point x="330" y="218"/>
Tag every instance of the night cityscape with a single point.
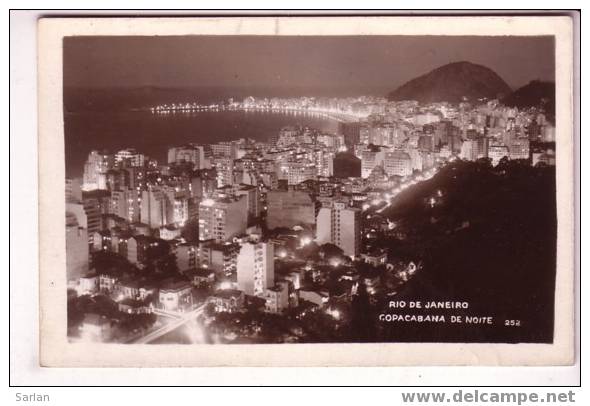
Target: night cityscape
<point x="426" y="214"/>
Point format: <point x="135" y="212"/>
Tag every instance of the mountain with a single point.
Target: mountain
<point x="451" y="83"/>
<point x="534" y="94"/>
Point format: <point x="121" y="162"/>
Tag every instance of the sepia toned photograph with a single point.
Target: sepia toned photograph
<point x="252" y="190"/>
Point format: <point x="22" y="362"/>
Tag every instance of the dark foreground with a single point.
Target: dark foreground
<point x="489" y="239"/>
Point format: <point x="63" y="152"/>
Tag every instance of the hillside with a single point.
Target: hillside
<point x="452" y="83"/>
<point x="534" y="94"/>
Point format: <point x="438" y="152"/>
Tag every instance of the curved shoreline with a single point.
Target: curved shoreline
<point x="340" y="117"/>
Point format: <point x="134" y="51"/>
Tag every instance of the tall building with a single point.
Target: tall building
<point x="252" y="199"/>
<point x="288" y="136"/>
<point x="333" y="141"/>
<point x="297" y="171"/>
<point x="425" y="143"/>
<point x="347" y="165"/>
<point x="137" y="248"/>
<point x="95" y="169"/>
<point x="77" y="248"/>
<point x="351" y="133"/>
<point x="397" y="163"/>
<point x="89" y="213"/>
<point x="496" y="152"/>
<point x="186" y="257"/>
<point x="324" y="162"/>
<point x="74" y="190"/>
<point x="370" y="160"/>
<point x="227" y="149"/>
<point x="519" y="148"/>
<point x="475" y="148"/>
<point x="222" y="219"/>
<point x="125" y="204"/>
<point x="135" y="177"/>
<point x="255" y="268"/>
<point x="155" y="208"/>
<point x="219" y="257"/>
<point x="117" y="179"/>
<point x="180" y="209"/>
<point x="224" y="168"/>
<point x="129" y="157"/>
<point x="340" y="225"/>
<point x="192" y="153"/>
<point x="288" y="209"/>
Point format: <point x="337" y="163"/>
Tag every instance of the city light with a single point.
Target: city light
<point x="195" y="333"/>
<point x="225" y="285"/>
<point x="142" y="213"/>
<point x="335" y="313"/>
<point x="335" y="262"/>
<point x="305" y="241"/>
<point x="208" y="202"/>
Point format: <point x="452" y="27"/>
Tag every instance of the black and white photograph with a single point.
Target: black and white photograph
<point x="226" y="190"/>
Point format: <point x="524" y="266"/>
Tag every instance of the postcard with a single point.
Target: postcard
<point x="306" y="191"/>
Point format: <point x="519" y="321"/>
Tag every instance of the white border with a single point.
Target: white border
<point x="24" y="367"/>
<point x="56" y="351"/>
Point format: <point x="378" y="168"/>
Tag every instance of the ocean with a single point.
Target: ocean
<point x="118" y="125"/>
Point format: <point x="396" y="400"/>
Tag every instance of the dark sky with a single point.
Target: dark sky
<point x="349" y="62"/>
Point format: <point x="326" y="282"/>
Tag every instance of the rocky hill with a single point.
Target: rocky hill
<point x="534" y="94"/>
<point x="454" y="83"/>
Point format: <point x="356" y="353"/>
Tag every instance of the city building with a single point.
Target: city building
<point x="340" y="225"/>
<point x="224" y="169"/>
<point x="155" y="208"/>
<point x="296" y="172"/>
<point x="74" y="190"/>
<point x="190" y="153"/>
<point x="186" y="257"/>
<point x="370" y="159"/>
<point x="496" y="152"/>
<point x="346" y="165"/>
<point x="351" y="132"/>
<point x="277" y="298"/>
<point x="176" y="296"/>
<point x="545" y="158"/>
<point x="519" y="148"/>
<point x="77" y="249"/>
<point x="222" y="219"/>
<point x="318" y="298"/>
<point x="129" y="157"/>
<point x="219" y="257"/>
<point x="227" y="300"/>
<point x="125" y="204"/>
<point x="252" y="199"/>
<point x="397" y="163"/>
<point x="228" y="149"/>
<point x="137" y="248"/>
<point x="88" y="284"/>
<point x="200" y="277"/>
<point x="95" y="170"/>
<point x="255" y="267"/>
<point x="289" y="208"/>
